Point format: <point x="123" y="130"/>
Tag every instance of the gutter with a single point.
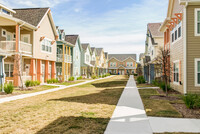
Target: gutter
<point x="185" y="48"/>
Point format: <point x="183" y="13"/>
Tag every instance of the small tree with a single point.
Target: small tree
<point x="18" y="66"/>
<point x="163" y="59"/>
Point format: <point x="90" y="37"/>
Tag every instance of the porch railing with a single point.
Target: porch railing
<point x="10" y="47"/>
<point x="67" y="58"/>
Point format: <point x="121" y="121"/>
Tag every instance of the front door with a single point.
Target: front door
<point x="122" y="72"/>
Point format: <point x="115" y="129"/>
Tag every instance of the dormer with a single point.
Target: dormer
<point x="5" y="10"/>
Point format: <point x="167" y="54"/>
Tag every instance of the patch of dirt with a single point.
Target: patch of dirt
<point x="162" y="97"/>
<point x="25" y="89"/>
<point x="186" y="112"/>
<point x="169" y="92"/>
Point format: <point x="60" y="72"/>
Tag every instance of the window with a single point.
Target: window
<point x="197" y="72"/>
<point x="46" y="45"/>
<point x="4" y="33"/>
<point x="176" y="35"/>
<point x="87" y="58"/>
<point x="111" y="64"/>
<point x="131" y="64"/>
<point x="5" y="11"/>
<point x="172" y="37"/>
<point x="176" y="72"/>
<point x="127" y="63"/>
<point x="197" y="21"/>
<point x="179" y="32"/>
<point x="9" y="69"/>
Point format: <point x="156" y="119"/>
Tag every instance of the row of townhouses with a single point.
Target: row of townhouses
<point x="33" y="48"/>
<point x="180" y="34"/>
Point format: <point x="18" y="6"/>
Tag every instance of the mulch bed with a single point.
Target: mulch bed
<point x="25" y="89"/>
<point x="186" y="112"/>
<point x="180" y="107"/>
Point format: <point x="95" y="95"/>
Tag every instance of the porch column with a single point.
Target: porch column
<point x="46" y="71"/>
<point x="32" y="69"/>
<point x="39" y="70"/>
<point x="69" y="67"/>
<point x="53" y="70"/>
<point x="66" y="64"/>
<point x="63" y="63"/>
<point x="16" y="71"/>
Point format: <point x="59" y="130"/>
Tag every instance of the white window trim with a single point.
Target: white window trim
<point x="2" y="33"/>
<point x="196" y="71"/>
<point x="195" y="21"/>
<point x="173" y="31"/>
<point x="174" y="82"/>
<point x="45" y="46"/>
<point x="9" y="63"/>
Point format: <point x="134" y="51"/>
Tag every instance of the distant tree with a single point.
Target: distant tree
<point x="163" y="59"/>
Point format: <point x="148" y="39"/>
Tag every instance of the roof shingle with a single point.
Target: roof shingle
<point x="71" y="39"/>
<point x="31" y="15"/>
<point x="121" y="57"/>
<point x="154" y="29"/>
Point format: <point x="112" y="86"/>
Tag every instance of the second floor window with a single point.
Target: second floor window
<point x="197" y="21"/>
<point x="46" y="45"/>
<point x="87" y="58"/>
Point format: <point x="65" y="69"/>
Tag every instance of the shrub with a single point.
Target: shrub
<point x="135" y="74"/>
<point x="155" y="82"/>
<point x="94" y="77"/>
<point x="162" y="86"/>
<point x="80" y="78"/>
<point x="8" y="88"/>
<point x="28" y="83"/>
<point x="100" y="76"/>
<point x="108" y="74"/>
<point x="49" y="81"/>
<point x="140" y="80"/>
<point x="37" y="82"/>
<point x="192" y="100"/>
<point x="71" y="78"/>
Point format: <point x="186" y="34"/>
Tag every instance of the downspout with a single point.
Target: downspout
<point x="185" y="47"/>
<point x="3" y="73"/>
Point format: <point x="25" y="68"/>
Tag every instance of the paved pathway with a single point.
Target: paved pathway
<point x="7" y="99"/>
<point x="160" y="125"/>
<point x="129" y="116"/>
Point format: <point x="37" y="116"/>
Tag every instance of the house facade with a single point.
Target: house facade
<point x="76" y="54"/>
<point x="122" y="64"/>
<point x="154" y="42"/>
<point x="29" y="38"/>
<point x="87" y="69"/>
<point x="64" y="57"/>
<point x="101" y="61"/>
<point x="181" y="37"/>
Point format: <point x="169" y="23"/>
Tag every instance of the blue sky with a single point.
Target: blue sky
<point x="119" y="26"/>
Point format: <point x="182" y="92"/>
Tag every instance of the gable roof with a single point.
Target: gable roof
<point x="92" y="49"/>
<point x="99" y="50"/>
<point x="154" y="29"/>
<point x="71" y="38"/>
<point x="31" y="15"/>
<point x="85" y="46"/>
<point x="122" y="57"/>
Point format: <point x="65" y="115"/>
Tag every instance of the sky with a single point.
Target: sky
<point x="118" y="26"/>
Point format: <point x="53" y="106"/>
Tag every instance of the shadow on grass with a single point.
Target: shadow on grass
<point x="110" y="84"/>
<point x="76" y="125"/>
<point x="107" y="96"/>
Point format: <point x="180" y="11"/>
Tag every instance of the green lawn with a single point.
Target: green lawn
<point x="85" y="109"/>
<point x="145" y="85"/>
<point x="158" y="107"/>
<point x="71" y="83"/>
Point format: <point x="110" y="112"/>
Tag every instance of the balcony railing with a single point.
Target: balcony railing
<point x="67" y="58"/>
<point x="10" y="47"/>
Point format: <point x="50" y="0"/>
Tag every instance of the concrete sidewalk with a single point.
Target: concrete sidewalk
<point x="161" y="125"/>
<point x="7" y="99"/>
<point x="129" y="116"/>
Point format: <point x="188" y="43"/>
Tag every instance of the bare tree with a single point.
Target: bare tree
<point x="163" y="59"/>
<point x="18" y="66"/>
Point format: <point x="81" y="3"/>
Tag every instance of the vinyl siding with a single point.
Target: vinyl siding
<point x="193" y="49"/>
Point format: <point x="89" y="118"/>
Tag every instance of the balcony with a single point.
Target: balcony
<point x="10" y="47"/>
<point x="67" y="58"/>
